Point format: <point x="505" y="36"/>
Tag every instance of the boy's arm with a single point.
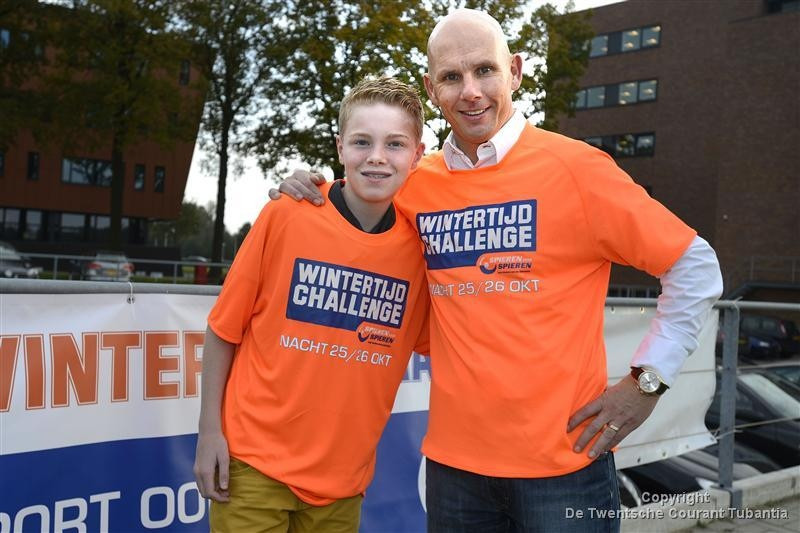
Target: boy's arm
<point x="211" y="458"/>
<point x="301" y="185"/>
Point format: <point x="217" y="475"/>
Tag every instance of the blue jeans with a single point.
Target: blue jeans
<point x="460" y="501"/>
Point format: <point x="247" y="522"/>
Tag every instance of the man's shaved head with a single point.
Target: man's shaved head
<point x="465" y="22"/>
<point x="471" y="76"/>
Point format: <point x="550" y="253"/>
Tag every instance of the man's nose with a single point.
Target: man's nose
<point x="471" y="89"/>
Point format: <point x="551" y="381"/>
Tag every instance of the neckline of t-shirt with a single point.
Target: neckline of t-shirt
<point x="373" y="239"/>
<point x="460" y="173"/>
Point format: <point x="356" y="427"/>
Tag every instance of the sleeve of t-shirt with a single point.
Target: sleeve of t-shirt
<point x="629" y="227"/>
<point x="230" y="316"/>
<point x="423" y="344"/>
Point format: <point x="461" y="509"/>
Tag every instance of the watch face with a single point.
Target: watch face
<point x="649" y="382"/>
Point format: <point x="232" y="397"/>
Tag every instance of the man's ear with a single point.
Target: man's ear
<point x="339" y="148"/>
<point x="516" y="71"/>
<point x="426" y="79"/>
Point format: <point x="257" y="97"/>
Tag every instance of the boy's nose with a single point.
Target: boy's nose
<point x="377" y="156"/>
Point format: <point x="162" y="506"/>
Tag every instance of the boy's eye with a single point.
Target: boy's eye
<point x="396" y="144"/>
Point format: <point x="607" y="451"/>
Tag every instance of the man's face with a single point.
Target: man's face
<point x="378" y="149"/>
<point x="471" y="78"/>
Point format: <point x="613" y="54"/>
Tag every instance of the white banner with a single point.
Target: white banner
<point x="99" y="400"/>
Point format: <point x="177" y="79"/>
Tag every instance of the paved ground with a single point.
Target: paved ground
<point x="758" y="525"/>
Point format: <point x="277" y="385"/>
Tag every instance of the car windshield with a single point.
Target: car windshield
<point x="111" y="257"/>
<point x="785" y="404"/>
<point x="9" y="254"/>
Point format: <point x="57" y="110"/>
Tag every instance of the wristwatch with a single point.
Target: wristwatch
<point x="649" y="382"/>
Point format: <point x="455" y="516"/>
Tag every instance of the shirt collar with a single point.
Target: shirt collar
<point x="489" y="153"/>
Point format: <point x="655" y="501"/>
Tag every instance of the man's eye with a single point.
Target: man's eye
<point x="360" y="142"/>
<point x="451" y="77"/>
<point x="484" y="70"/>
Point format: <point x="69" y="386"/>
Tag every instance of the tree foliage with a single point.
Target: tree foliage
<point x="327" y="47"/>
<point x="234" y="39"/>
<point x="21" y="57"/>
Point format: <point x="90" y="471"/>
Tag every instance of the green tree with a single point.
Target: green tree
<point x="236" y="42"/>
<point x="22" y="45"/>
<point x="114" y="82"/>
<point x="326" y="48"/>
<point x="329" y="46"/>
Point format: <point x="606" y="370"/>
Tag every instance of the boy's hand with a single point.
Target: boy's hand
<point x="211" y="466"/>
<point x="302" y="184"/>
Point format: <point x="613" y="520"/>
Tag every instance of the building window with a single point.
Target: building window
<point x="626" y="93"/>
<point x="5" y="38"/>
<point x="648" y="90"/>
<point x="138" y="177"/>
<point x="158" y="179"/>
<point x="595" y="97"/>
<point x="33" y="165"/>
<point x="645" y="144"/>
<point x="651" y="36"/>
<point x="580" y="99"/>
<point x="33" y="225"/>
<point x="86" y="172"/>
<point x="598" y="46"/>
<point x="72" y="227"/>
<point x="99" y="228"/>
<point x="631" y="40"/>
<point x="9" y="223"/>
<point x="625" y="144"/>
<point x="183" y="79"/>
<point x="625" y="41"/>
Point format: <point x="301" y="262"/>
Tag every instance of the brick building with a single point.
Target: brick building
<point x="58" y="200"/>
<point x="699" y="103"/>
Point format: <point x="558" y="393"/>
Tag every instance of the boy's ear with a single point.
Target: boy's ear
<point x="339" y="148"/>
<point x="418" y="155"/>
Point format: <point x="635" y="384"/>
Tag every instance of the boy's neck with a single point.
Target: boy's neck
<point x="368" y="214"/>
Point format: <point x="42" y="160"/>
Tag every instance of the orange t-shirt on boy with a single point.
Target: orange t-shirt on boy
<point x="325" y="317"/>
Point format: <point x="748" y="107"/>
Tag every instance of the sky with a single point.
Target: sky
<point x="247" y="193"/>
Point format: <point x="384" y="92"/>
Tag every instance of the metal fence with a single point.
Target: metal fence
<point x="730" y="328"/>
<point x="71" y="265"/>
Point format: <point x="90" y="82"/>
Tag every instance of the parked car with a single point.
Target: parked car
<point x="767" y="415"/>
<point x="108" y="266"/>
<point x="689" y="472"/>
<point x="788" y="371"/>
<point x="14" y="265"/>
<point x="771" y="330"/>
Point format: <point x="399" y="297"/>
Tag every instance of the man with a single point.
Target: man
<point x="519" y="228"/>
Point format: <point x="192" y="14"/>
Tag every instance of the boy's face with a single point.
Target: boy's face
<point x="378" y="149"/>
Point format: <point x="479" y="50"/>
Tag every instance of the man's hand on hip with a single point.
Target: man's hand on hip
<point x="617" y="412"/>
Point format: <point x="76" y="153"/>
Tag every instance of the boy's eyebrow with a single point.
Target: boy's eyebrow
<point x="365" y="134"/>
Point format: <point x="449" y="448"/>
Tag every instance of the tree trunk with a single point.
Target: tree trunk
<point x="117" y="190"/>
<point x="215" y="273"/>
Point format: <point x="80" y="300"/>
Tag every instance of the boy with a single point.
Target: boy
<point x="315" y="324"/>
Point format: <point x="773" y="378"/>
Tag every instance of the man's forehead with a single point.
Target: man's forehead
<point x="467" y="32"/>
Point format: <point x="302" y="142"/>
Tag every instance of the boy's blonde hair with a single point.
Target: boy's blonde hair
<point x="383" y="90"/>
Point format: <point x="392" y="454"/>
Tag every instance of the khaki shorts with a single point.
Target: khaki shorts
<point x="260" y="504"/>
